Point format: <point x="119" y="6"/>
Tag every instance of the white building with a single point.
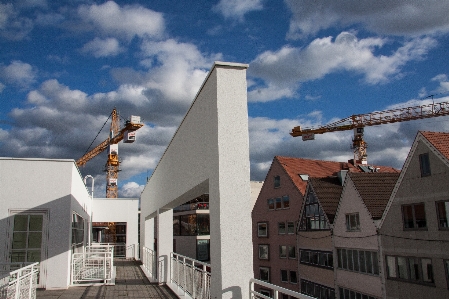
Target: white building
<point x="44" y="210"/>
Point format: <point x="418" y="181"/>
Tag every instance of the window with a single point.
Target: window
<point x="350" y="294"/>
<point x="316" y="290"/>
<point x="313" y="217"/>
<point x="277" y="181"/>
<point x="77" y="231"/>
<point x="264" y="274"/>
<point x="266" y="293"/>
<point x="176" y="226"/>
<point x="284" y="275"/>
<point x="414" y="216"/>
<point x="412" y="269"/>
<point x="293" y="277"/>
<point x="278" y="203"/>
<point x="188" y="225"/>
<point x="282" y="251"/>
<point x="27" y="238"/>
<point x="264" y="252"/>
<point x="317" y="258"/>
<point x="291" y="252"/>
<point x="424" y="164"/>
<point x="262" y="229"/>
<point x="285" y="202"/>
<point x="290" y="227"/>
<point x="358" y="261"/>
<point x="352" y="222"/>
<point x="443" y="214"/>
<point x="271" y="204"/>
<point x="281" y="228"/>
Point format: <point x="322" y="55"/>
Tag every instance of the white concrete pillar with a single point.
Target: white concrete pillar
<point x="164" y="243"/>
<point x="230" y="211"/>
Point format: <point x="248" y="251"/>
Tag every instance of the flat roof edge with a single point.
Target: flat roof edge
<point x="38" y="159"/>
<point x="233" y="64"/>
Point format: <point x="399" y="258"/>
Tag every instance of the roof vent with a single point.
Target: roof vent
<point x="341" y="176"/>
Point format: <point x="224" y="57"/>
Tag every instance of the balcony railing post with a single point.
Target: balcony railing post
<point x="193" y="280"/>
<point x="17" y="294"/>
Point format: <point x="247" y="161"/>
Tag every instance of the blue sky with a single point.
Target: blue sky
<point x="64" y="65"/>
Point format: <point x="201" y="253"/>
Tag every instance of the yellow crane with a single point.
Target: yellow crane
<point x="112" y="167"/>
<point x="357" y="122"/>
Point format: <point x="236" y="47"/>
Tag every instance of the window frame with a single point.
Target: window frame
<point x="439" y="214"/>
<point x="267" y="246"/>
<point x="267" y="269"/>
<point x="348" y="218"/>
<point x="415" y="224"/>
<point x="290" y="276"/>
<point x="446" y="269"/>
<point x="289" y="251"/>
<point x="424" y="165"/>
<point x="408" y="275"/>
<point x="270" y="202"/>
<point x="342" y="291"/>
<point x="286" y="276"/>
<point x="293" y="228"/>
<point x="279" y="228"/>
<point x="281" y="256"/>
<point x="259" y="224"/>
<point x="314" y="258"/>
<point x="356" y="260"/>
<point x="277" y="181"/>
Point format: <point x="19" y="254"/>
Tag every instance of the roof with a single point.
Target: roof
<point x="375" y="190"/>
<point x="318" y="168"/>
<point x="439" y="140"/>
<point x="328" y="192"/>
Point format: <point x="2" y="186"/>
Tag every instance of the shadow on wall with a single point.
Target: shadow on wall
<point x="45" y="233"/>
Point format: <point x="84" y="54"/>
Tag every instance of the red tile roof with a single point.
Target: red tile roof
<point x="439" y="140"/>
<point x="375" y="190"/>
<point x="318" y="168"/>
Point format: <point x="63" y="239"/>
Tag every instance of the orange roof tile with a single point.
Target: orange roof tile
<point x="439" y="140"/>
<point x="318" y="168"/>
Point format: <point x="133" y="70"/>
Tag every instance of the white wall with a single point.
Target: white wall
<point x="53" y="187"/>
<point x="118" y="210"/>
<point x="210" y="154"/>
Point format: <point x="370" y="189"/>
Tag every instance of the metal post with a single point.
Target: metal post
<point x="91" y="204"/>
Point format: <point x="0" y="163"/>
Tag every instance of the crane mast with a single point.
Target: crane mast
<point x="112" y="166"/>
<point x="357" y="123"/>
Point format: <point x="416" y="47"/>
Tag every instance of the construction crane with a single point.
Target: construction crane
<point x="359" y="121"/>
<point x="112" y="167"/>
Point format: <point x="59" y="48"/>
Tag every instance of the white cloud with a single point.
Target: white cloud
<point x="236" y="9"/>
<point x="404" y="17"/>
<point x="12" y="25"/>
<point x="19" y="73"/>
<point x="127" y="21"/>
<point x="289" y="66"/>
<point x="103" y="47"/>
<point x="443" y="80"/>
<point x="131" y="189"/>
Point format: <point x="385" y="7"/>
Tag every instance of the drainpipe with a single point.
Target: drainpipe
<point x="91" y="205"/>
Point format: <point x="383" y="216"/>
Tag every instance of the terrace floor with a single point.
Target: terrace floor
<point x="130" y="282"/>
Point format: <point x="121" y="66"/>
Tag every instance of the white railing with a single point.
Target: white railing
<point x="20" y="283"/>
<point x="190" y="276"/>
<point x="273" y="290"/>
<point x="131" y="252"/>
<point x="119" y="248"/>
<point x="94" y="265"/>
<point x="149" y="263"/>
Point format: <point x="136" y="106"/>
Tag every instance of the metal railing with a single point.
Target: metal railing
<point x="131" y="252"/>
<point x="271" y="291"/>
<point x="119" y="248"/>
<point x="94" y="265"/>
<point x="20" y="283"/>
<point x="190" y="276"/>
<point x="149" y="263"/>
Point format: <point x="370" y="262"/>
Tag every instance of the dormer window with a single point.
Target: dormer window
<point x="304" y="177"/>
<point x="277" y="181"/>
